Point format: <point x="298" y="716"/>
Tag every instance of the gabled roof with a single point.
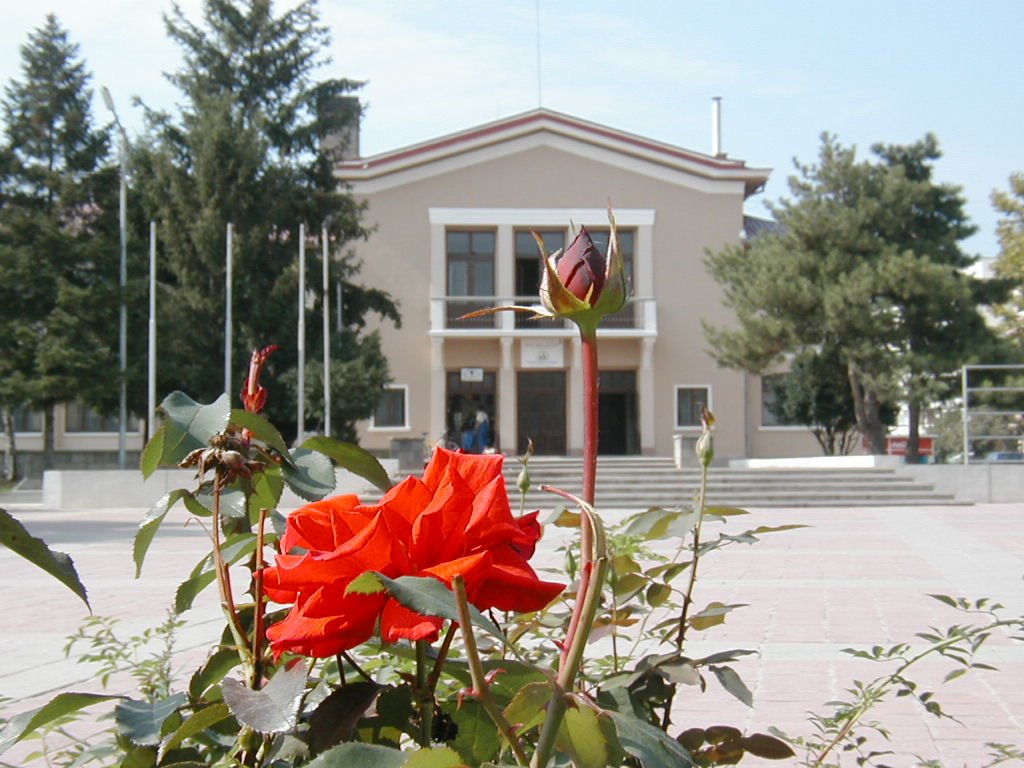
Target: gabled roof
<point x="545" y="122"/>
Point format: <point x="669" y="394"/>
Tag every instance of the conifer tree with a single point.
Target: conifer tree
<point x="248" y="149"/>
<point x="57" y="264"/>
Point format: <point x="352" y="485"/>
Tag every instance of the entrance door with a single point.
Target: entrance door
<point x="617" y="411"/>
<point x="465" y="400"/>
<point x="541" y="410"/>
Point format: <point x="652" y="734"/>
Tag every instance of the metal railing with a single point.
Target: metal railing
<point x="448" y="313"/>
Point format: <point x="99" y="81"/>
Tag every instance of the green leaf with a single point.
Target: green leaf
<point x="356" y="460"/>
<point x="335" y="718"/>
<point x="725" y="511"/>
<point x="272" y="709"/>
<point x="141" y="721"/>
<point x="189" y="425"/>
<point x="150" y="524"/>
<point x="581" y="738"/>
<point x="356" y="755"/>
<point x="434" y="757"/>
<point x="423" y="594"/>
<point x="198" y="723"/>
<point x="477" y="740"/>
<point x="190" y="588"/>
<point x="713" y="615"/>
<point x="212" y="672"/>
<point x="26" y="723"/>
<point x="733" y="684"/>
<point x="266" y="490"/>
<point x="311" y="477"/>
<point x="768" y="747"/>
<point x="650" y="745"/>
<point x="761" y="529"/>
<point x="945" y="599"/>
<point x="658" y="594"/>
<point x="59" y="565"/>
<point x="529" y="706"/>
<point x="261" y="429"/>
<point x="149" y="461"/>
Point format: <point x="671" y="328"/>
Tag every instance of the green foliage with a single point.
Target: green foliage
<point x="247" y="150"/>
<point x="15" y="537"/>
<point x="58" y="254"/>
<point x="1010" y="262"/>
<point x="866" y="263"/>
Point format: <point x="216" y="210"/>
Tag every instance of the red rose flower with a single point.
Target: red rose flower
<point x="582" y="268"/>
<point x="455" y="520"/>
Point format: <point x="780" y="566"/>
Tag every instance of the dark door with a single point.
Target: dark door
<point x="617" y="411"/>
<point x="466" y="399"/>
<point x="541" y="410"/>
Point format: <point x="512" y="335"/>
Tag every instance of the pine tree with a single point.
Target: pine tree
<point x="56" y="336"/>
<point x="246" y="150"/>
<point x="868" y="262"/>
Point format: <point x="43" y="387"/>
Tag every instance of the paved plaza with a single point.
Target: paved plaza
<point x="854" y="577"/>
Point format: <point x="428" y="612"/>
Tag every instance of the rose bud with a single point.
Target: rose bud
<point x="581" y="268"/>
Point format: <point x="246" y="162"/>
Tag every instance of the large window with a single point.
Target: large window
<point x="625" y="317"/>
<point x="392" y="409"/>
<point x="81" y="418"/>
<point x="689" y="400"/>
<point x="769" y="416"/>
<point x="470" y="259"/>
<point x="528" y="272"/>
<point x="27" y="420"/>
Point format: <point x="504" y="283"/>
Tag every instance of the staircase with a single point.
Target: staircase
<point x="636" y="482"/>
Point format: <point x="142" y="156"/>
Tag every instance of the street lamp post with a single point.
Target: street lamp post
<point x="123" y="317"/>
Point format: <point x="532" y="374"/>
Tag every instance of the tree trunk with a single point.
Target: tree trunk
<point x="868" y="411"/>
<point x="10" y="473"/>
<point x="913" y="433"/>
<point x="49" y="427"/>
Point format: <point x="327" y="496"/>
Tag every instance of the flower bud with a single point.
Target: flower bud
<point x="706" y="442"/>
<point x="581" y="268"/>
<point x="523" y="481"/>
<point x="254" y="396"/>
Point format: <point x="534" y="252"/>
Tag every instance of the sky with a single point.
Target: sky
<point x="788" y="70"/>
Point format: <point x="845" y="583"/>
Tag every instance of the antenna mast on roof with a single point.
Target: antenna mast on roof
<point x="537" y="18"/>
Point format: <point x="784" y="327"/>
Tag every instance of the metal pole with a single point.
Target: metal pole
<point x="966" y="415"/>
<point x="327" y="331"/>
<point x="227" y="313"/>
<point x="151" y="389"/>
<point x="301" y="405"/>
<point x="122" y="343"/>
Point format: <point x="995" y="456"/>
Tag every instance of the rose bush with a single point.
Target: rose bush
<point x="455" y="520"/>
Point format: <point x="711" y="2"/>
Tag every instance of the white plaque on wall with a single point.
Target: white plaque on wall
<point x="542" y="353"/>
<point x="471" y="374"/>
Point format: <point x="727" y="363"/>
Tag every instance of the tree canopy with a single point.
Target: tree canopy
<point x="867" y="261"/>
<point x="1010" y="262"/>
<point x="58" y="257"/>
<point x="248" y="149"/>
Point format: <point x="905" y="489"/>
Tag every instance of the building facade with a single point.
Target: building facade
<point x="454" y="222"/>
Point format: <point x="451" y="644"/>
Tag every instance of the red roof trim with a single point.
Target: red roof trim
<point x="539" y="117"/>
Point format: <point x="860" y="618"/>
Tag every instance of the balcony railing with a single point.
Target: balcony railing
<point x="448" y="313"/>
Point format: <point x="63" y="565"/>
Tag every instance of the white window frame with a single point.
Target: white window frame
<point x="404" y="388"/>
<point x="675" y="403"/>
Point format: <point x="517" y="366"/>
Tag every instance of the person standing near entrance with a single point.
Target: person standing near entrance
<point x="481" y="432"/>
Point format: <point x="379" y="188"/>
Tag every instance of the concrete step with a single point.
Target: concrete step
<point x="641" y="482"/>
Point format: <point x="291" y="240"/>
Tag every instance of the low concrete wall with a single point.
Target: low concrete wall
<point x="112" y="488"/>
<point x="987" y="483"/>
<point x="820" y="462"/>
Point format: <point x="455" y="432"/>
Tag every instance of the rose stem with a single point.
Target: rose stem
<point x="476" y="671"/>
<point x="224" y="577"/>
<point x="426" y="700"/>
<point x="257" y="635"/>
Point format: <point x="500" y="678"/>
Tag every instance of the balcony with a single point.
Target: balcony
<point x="637" y="318"/>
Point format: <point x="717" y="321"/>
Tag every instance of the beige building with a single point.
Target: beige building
<point x="452" y="224"/>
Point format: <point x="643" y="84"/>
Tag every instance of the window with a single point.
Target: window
<point x="688" y="403"/>
<point x="627" y="239"/>
<point x="470" y="263"/>
<point x="470" y="257"/>
<point x="81" y="418"/>
<point x="26" y="420"/>
<point x="769" y="398"/>
<point x="528" y="273"/>
<point x="391" y="410"/>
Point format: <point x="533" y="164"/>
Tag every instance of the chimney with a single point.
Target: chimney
<point x="341" y="141"/>
<point x="716" y="127"/>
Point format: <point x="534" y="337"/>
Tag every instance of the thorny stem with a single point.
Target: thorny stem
<point x="880" y="685"/>
<point x="257" y="636"/>
<point x="425" y="696"/>
<point x="688" y="597"/>
<point x="442" y="655"/>
<point x="352" y="663"/>
<point x="476" y="671"/>
<point x="224" y="578"/>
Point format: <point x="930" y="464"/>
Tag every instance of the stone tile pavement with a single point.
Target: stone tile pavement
<point x="854" y="577"/>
